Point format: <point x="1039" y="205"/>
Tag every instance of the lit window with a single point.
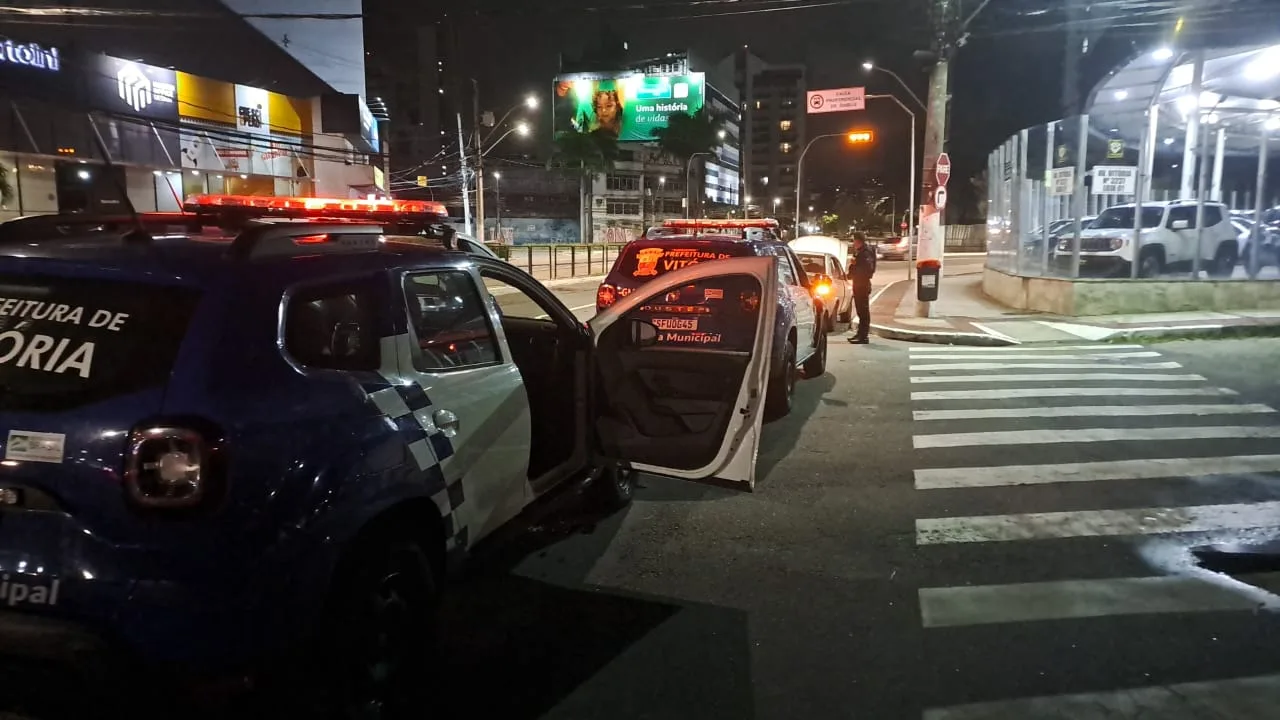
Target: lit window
<point x="785" y="125"/>
<point x="785" y="147"/>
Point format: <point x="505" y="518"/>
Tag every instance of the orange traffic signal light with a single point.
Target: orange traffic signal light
<point x="861" y="136"/>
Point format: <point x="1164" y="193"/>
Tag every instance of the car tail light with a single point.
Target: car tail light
<point x="606" y="296"/>
<point x="171" y="467"/>
<point x="822" y="289"/>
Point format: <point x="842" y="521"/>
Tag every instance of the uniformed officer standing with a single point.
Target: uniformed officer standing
<point x="861" y="269"/>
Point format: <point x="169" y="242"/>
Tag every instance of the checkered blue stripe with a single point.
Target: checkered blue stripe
<point x="406" y="405"/>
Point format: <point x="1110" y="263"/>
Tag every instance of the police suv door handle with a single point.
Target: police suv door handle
<point x="446" y="422"/>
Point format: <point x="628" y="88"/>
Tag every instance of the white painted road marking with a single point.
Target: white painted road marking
<point x="1251" y="697"/>
<point x="1097" y="523"/>
<point x="1068" y="599"/>
<point x="1007" y="475"/>
<point x="1009" y="393"/>
<point x="943" y="349"/>
<point x="1039" y="356"/>
<point x="1042" y="366"/>
<point x="1093" y="435"/>
<point x="1058" y="377"/>
<point x="1090" y="411"/>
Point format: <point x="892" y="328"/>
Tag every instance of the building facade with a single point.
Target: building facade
<point x="413" y="78"/>
<point x="773" y="129"/>
<point x="645" y="187"/>
<point x="79" y="127"/>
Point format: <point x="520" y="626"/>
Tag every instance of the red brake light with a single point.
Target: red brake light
<point x="310" y="239"/>
<point x="605" y="296"/>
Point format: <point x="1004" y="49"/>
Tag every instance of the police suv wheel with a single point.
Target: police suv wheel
<point x="782" y="385"/>
<point x="816" y="365"/>
<point x="615" y="487"/>
<point x="384" y="622"/>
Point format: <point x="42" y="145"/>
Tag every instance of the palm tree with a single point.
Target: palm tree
<point x="587" y="154"/>
<point x="689" y="136"/>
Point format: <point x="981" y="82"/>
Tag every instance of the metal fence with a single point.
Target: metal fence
<point x="551" y="262"/>
<point x="1052" y="197"/>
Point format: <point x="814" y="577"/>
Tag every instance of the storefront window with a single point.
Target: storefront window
<point x="142" y="189"/>
<point x="193" y="183"/>
<point x="37" y="186"/>
<point x="217" y="184"/>
<point x="168" y="191"/>
<point x="250" y="185"/>
<point x="84" y="187"/>
<point x="9" y="207"/>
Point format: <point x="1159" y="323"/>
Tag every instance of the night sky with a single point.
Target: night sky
<point x="998" y="86"/>
<point x="1009" y="74"/>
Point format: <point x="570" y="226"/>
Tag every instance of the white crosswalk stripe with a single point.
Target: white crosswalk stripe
<point x="1067" y="419"/>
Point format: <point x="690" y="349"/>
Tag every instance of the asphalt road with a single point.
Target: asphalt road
<point x="849" y="586"/>
<point x="936" y="533"/>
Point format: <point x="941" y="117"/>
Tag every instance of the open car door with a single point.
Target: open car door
<point x="680" y="370"/>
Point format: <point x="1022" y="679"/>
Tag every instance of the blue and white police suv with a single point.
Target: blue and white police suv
<point x="267" y="425"/>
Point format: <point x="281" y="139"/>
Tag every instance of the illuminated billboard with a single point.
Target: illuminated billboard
<point x="630" y="106"/>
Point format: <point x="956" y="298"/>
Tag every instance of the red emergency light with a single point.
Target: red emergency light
<point x="314" y="207"/>
<point x="721" y="224"/>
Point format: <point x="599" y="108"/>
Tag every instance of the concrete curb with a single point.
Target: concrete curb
<point x="1196" y="332"/>
<point x="940" y="337"/>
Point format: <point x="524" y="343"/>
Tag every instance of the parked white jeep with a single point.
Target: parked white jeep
<point x="1168" y="240"/>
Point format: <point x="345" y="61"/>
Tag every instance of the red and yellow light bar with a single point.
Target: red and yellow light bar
<point x="319" y="206"/>
<point x="719" y="223"/>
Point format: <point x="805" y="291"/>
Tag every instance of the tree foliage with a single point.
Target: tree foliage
<point x="586" y="152"/>
<point x="687" y="135"/>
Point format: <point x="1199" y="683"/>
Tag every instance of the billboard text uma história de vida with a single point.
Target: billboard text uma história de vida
<point x="628" y="106"/>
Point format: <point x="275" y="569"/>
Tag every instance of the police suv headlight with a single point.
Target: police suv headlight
<point x="170" y="467"/>
<point x="1117" y="243"/>
<point x="1064" y="245"/>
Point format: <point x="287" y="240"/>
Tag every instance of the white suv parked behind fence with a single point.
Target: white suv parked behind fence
<point x="1168" y="240"/>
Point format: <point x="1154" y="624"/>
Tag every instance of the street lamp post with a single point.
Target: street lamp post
<point x="860" y="136"/>
<point x="870" y="66"/>
<point x="497" y="201"/>
<point x="688" y="183"/>
<point x="530" y="102"/>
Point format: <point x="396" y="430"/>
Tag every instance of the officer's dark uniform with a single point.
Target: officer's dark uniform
<point x="863" y="267"/>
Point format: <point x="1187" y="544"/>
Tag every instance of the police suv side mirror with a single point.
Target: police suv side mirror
<point x="1179" y="224"/>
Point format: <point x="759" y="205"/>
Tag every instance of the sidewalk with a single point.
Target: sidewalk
<point x="963" y="315"/>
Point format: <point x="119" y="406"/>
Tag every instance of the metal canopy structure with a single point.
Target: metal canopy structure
<point x="1240" y="93"/>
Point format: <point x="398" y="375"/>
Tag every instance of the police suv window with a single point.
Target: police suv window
<point x="1212" y="215"/>
<point x="786" y="274"/>
<point x="449" y="321"/>
<point x="66" y="342"/>
<point x="333" y="327"/>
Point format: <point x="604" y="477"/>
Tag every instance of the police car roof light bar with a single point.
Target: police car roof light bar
<point x="316" y="207"/>
<point x="721" y="223"/>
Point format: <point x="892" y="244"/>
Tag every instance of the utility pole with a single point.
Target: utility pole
<point x="948" y="36"/>
<point x="462" y="154"/>
<point x="932" y="241"/>
<point x="475" y="110"/>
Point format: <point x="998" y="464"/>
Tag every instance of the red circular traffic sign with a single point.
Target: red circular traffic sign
<point x="943" y="169"/>
<point x="817" y="101"/>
